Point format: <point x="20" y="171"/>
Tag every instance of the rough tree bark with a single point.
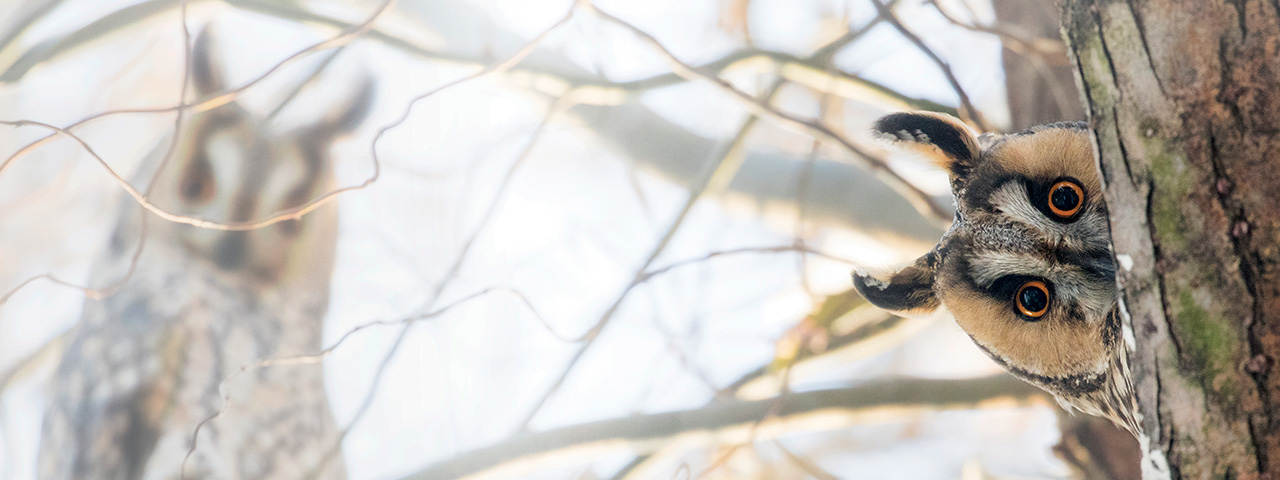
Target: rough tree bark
<point x="1184" y="102"/>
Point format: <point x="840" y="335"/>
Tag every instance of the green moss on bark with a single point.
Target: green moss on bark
<point x="1208" y="345"/>
<point x="1169" y="187"/>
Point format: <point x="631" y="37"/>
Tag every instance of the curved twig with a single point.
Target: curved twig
<point x="924" y="202"/>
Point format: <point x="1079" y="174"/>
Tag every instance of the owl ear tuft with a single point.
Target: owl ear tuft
<point x="347" y="116"/>
<point x="907" y="292"/>
<point x="206" y="72"/>
<point x="941" y="138"/>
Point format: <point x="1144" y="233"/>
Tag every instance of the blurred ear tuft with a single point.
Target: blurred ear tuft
<point x="907" y="292"/>
<point x="206" y="74"/>
<point x="942" y="138"/>
<point x="345" y="117"/>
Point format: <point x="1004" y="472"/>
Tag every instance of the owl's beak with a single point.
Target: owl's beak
<point x="230" y="251"/>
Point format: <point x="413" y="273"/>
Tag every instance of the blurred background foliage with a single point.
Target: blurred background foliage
<point x="626" y="227"/>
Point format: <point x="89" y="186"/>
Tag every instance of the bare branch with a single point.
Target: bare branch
<point x="554" y="109"/>
<point x="283" y="215"/>
<point x="102" y="292"/>
<point x="967" y="110"/>
<point x="1027" y="44"/>
<point x="812" y="73"/>
<point x="872" y="338"/>
<point x="23" y="23"/>
<point x="1041" y="53"/>
<point x="45" y="51"/>
<point x="588" y="90"/>
<point x="645" y="276"/>
<point x="922" y="201"/>
<point x="730" y="158"/>
<point x="844" y="344"/>
<point x="550" y="82"/>
<point x="218" y="100"/>
<point x="731" y="422"/>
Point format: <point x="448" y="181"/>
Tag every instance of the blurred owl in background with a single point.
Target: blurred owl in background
<point x="1026" y="268"/>
<point x="143" y="367"/>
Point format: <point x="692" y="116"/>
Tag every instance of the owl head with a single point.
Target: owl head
<point x="1026" y="267"/>
<point x="231" y="164"/>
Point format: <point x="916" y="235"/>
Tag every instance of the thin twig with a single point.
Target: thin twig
<point x="823" y="54"/>
<point x="510" y="62"/>
<point x="775" y="407"/>
<point x="730" y="158"/>
<point x="967" y="111"/>
<point x="47" y="50"/>
<point x="20" y="26"/>
<point x="201" y="106"/>
<point x="592" y="90"/>
<point x="918" y="198"/>
<point x="143" y="198"/>
<point x="1037" y="51"/>
<point x="843" y="349"/>
<point x="315" y="74"/>
<point x="1030" y="44"/>
<point x="764" y="110"/>
<point x="312" y="358"/>
<point x="645" y="276"/>
<point x="103" y="292"/>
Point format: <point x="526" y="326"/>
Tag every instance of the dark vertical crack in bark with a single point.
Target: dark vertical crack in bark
<point x="1245" y="259"/>
<point x="1167" y="428"/>
<point x="1124" y="153"/>
<point x="1226" y="88"/>
<point x="1241" y="21"/>
<point x="1106" y="53"/>
<point x="1115" y="82"/>
<point x="1146" y="49"/>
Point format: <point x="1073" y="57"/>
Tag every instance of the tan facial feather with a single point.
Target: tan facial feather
<point x="1072" y="284"/>
<point x="1052" y="153"/>
<point x="1085" y="233"/>
<point x="1053" y="346"/>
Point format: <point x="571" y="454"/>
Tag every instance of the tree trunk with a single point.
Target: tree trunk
<point x="1184" y="102"/>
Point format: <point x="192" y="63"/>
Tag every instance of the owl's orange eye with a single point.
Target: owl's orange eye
<point x="1065" y="199"/>
<point x="1033" y="299"/>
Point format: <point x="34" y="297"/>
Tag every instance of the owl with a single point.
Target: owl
<point x="144" y="366"/>
<point x="1026" y="268"/>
